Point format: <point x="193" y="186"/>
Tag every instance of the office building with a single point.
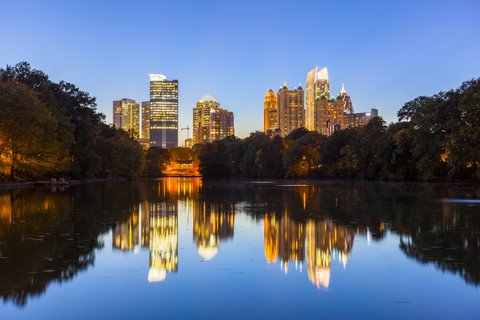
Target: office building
<point x="210" y="122"/>
<point x="317" y="86"/>
<point x="126" y="116"/>
<point x="163" y="112"/>
<point x="146" y="120"/>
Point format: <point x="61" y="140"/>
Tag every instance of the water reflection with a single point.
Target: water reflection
<point x="50" y="236"/>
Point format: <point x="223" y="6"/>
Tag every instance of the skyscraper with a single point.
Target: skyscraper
<point x="210" y="122"/>
<point x="270" y="115"/>
<point x="317" y="86"/>
<point x="163" y="112"/>
<point x="291" y="113"/>
<point x="146" y="120"/>
<point x="126" y="116"/>
<point x="117" y="114"/>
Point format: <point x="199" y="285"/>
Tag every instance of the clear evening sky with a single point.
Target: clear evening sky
<point x="386" y="52"/>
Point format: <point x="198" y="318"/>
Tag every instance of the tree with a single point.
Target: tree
<point x="27" y="132"/>
<point x="156" y="160"/>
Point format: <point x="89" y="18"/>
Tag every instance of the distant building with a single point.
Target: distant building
<point x="270" y="115"/>
<point x="210" y="122"/>
<point x="317" y="86"/>
<point x="126" y="116"/>
<point x="117" y="114"/>
<point x="291" y="113"/>
<point x="146" y="120"/>
<point x="337" y="114"/>
<point x="163" y="112"/>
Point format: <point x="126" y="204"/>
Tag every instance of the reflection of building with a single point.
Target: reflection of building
<point x="270" y="228"/>
<point x="291" y="113"/>
<point x="270" y="113"/>
<point x="212" y="222"/>
<point x="125" y="235"/>
<point x="326" y="241"/>
<point x="291" y="241"/>
<point x="126" y="116"/>
<point x="163" y="240"/>
<point x="163" y="112"/>
<point x="210" y="122"/>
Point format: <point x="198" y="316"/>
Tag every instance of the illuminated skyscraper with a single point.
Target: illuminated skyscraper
<point x="291" y="113"/>
<point x="126" y="116"/>
<point x="270" y="115"/>
<point x="210" y="122"/>
<point x="163" y="112"/>
<point x="317" y="86"/>
<point x="146" y="120"/>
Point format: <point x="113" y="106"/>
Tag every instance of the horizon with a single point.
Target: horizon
<point x="385" y="54"/>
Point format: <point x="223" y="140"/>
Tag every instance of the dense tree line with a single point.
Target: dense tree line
<point x="436" y="138"/>
<point x="50" y="129"/>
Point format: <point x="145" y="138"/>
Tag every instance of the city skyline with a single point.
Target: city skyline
<point x="385" y="54"/>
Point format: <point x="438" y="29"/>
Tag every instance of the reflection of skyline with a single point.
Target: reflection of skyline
<point x="125" y="234"/>
<point x="212" y="222"/>
<point x="163" y="240"/>
<point x="326" y="241"/>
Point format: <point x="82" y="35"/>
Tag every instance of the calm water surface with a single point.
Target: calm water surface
<point x="179" y="248"/>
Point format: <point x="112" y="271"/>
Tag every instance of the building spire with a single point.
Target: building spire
<point x="343" y="89"/>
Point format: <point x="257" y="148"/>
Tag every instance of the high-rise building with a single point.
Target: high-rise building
<point x="291" y="113"/>
<point x="126" y="116"/>
<point x="210" y="122"/>
<point x="270" y="115"/>
<point x="163" y="112"/>
<point x="117" y="114"/>
<point x="317" y="86"/>
<point x="146" y="120"/>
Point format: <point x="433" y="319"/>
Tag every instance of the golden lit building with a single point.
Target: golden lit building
<point x="291" y="113"/>
<point x="146" y="120"/>
<point x="163" y="112"/>
<point x="163" y="240"/>
<point x="270" y="113"/>
<point x="317" y="86"/>
<point x="210" y="122"/>
<point x="126" y="116"/>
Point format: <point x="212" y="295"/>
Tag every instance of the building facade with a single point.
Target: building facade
<point x="317" y="86"/>
<point x="126" y="116"/>
<point x="210" y="122"/>
<point x="163" y="112"/>
<point x="270" y="114"/>
<point x="146" y="120"/>
<point x="291" y="112"/>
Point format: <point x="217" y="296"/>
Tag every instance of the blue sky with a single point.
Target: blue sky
<point x="386" y="52"/>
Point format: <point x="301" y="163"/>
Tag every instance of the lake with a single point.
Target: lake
<point x="180" y="248"/>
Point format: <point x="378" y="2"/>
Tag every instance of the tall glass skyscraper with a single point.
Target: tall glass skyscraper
<point x="163" y="112"/>
<point x="317" y="86"/>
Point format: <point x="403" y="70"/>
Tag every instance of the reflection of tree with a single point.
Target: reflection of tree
<point x="451" y="242"/>
<point x="163" y="240"/>
<point x="52" y="236"/>
<point x="212" y="222"/>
